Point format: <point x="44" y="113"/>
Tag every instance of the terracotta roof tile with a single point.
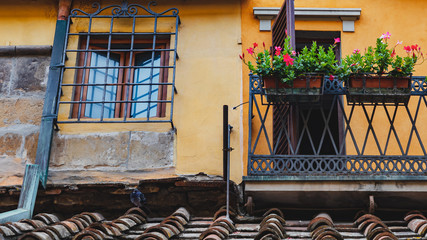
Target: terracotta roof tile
<point x="180" y="225"/>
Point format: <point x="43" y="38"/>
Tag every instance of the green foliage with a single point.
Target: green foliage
<point x="287" y="64"/>
<point x="380" y="60"/>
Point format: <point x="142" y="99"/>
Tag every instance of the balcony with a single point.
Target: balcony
<point x="332" y="138"/>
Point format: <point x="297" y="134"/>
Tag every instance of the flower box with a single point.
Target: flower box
<point x="369" y="88"/>
<point x="305" y="88"/>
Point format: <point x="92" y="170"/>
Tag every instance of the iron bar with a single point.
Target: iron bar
<point x="392" y="128"/>
<point x="121" y="101"/>
<point x="327" y="128"/>
<point x="112" y="84"/>
<point x="128" y="80"/>
<point x="117" y="67"/>
<point x="263" y="127"/>
<point x="122" y="34"/>
<point x="371" y="128"/>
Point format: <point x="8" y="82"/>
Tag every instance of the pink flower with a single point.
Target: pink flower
<point x="242" y="56"/>
<point x="278" y="51"/>
<point x="399" y="42"/>
<point x="337" y="40"/>
<point x="250" y="50"/>
<point x="294" y="53"/>
<point x="331" y="77"/>
<point x="407" y="49"/>
<point x="355" y="51"/>
<point x="255" y="44"/>
<point x="288" y="60"/>
<point x="386" y="35"/>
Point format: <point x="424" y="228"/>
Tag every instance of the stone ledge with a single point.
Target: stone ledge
<point x="346" y="15"/>
<point x="67" y="177"/>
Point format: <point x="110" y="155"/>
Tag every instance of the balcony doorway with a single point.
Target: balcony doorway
<point x="305" y="123"/>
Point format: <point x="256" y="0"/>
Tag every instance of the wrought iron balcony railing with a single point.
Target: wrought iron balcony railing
<point x="330" y="138"/>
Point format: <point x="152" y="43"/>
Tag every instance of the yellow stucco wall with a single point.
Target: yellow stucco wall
<point x="208" y="75"/>
<point x="17" y="17"/>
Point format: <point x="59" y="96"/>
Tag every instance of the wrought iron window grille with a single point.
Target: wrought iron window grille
<point x="119" y="65"/>
<point x="334" y="139"/>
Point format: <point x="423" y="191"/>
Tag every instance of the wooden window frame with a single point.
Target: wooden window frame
<point x="123" y="75"/>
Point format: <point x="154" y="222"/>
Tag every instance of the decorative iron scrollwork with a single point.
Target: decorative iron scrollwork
<point x="124" y="10"/>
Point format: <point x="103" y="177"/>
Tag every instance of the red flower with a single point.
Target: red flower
<point x="255" y="44"/>
<point x="414" y="47"/>
<point x="407" y="48"/>
<point x="263" y="44"/>
<point x="288" y="60"/>
<point x="393" y="53"/>
<point x="242" y="56"/>
<point x="331" y="77"/>
<point x="250" y="50"/>
<point x="278" y="51"/>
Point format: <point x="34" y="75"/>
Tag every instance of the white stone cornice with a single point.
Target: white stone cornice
<point x="346" y="15"/>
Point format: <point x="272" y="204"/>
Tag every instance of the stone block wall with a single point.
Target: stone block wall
<point x="118" y="151"/>
<point x="22" y="88"/>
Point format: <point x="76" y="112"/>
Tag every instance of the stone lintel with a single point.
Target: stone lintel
<point x="346" y="15"/>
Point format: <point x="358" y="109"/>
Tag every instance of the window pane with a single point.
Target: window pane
<point x="102" y="93"/>
<point x="146" y="92"/>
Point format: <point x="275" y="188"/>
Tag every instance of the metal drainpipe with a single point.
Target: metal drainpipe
<point x="49" y="108"/>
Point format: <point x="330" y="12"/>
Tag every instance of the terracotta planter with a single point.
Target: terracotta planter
<point x="306" y="81"/>
<point x="378" y="89"/>
<point x="379" y="82"/>
<point x="307" y="88"/>
<point x="273" y="82"/>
